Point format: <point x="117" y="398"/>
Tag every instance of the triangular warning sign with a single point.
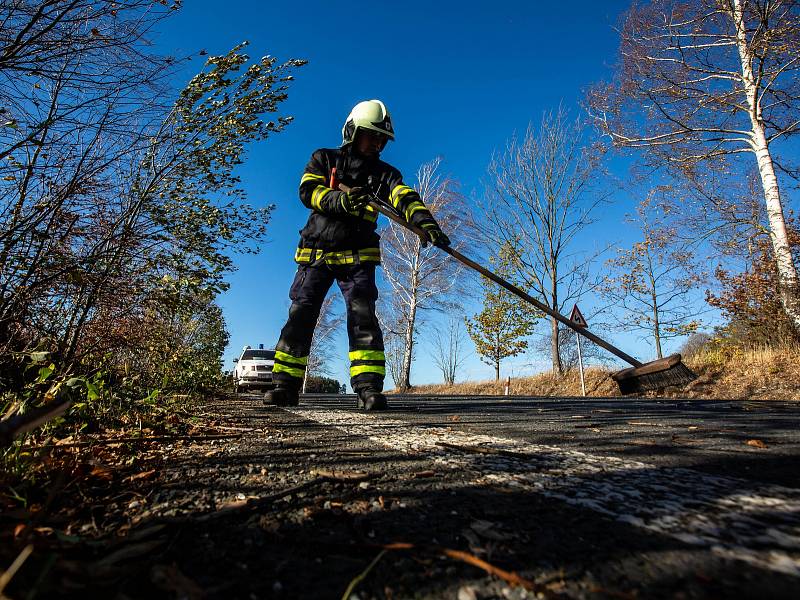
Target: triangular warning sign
<point x="577" y="317"/>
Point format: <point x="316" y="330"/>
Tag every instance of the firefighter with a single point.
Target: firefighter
<point x="339" y="243"/>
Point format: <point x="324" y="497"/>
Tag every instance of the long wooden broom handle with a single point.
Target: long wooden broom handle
<point x="389" y="212"/>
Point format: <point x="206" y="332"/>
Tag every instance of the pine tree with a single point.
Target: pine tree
<point x="500" y="329"/>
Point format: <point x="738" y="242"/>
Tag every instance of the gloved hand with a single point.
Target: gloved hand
<point x="436" y="236"/>
<point x="354" y="199"/>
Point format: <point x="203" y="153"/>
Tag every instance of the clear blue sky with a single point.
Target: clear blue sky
<point x="459" y="78"/>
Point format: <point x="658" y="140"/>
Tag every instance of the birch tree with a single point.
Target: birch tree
<point x="420" y="279"/>
<point x="710" y="82"/>
<point x="323" y="341"/>
<point x="541" y="197"/>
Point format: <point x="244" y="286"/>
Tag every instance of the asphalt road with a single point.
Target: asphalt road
<point x="721" y="478"/>
<point x="706" y="435"/>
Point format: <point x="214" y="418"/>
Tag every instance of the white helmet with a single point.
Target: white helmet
<point x="370" y="114"/>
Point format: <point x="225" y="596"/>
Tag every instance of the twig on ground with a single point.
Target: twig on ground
<point x="361" y="576"/>
<point x="353" y="476"/>
<point x="134" y="440"/>
<point x="8" y="575"/>
<point x="255" y="503"/>
<point x="17" y="424"/>
<point x="483" y="450"/>
<point x="507" y="576"/>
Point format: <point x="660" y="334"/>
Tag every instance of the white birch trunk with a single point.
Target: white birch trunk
<point x="787" y="273"/>
<point x="408" y="345"/>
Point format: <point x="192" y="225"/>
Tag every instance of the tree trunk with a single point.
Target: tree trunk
<point x="497" y="370"/>
<point x="787" y="273"/>
<point x="656" y="329"/>
<point x="555" y="346"/>
<point x="408" y="346"/>
<point x="654" y="300"/>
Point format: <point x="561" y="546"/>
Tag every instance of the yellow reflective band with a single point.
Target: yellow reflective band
<point x="311" y="177"/>
<point x="412" y="208"/>
<point x="344" y="257"/>
<point x="367" y="355"/>
<point x="279" y="368"/>
<point x="316" y="198"/>
<point x="339" y="259"/>
<point x="367" y="369"/>
<point x="369" y="214"/>
<point x="398" y="193"/>
<point x="282" y="356"/>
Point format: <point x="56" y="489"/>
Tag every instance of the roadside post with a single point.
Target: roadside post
<point x="577" y="317"/>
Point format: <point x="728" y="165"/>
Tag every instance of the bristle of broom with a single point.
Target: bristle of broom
<point x="631" y="382"/>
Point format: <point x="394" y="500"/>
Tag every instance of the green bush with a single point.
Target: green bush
<point x="322" y="385"/>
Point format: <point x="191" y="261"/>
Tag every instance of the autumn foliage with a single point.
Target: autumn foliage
<point x="751" y="301"/>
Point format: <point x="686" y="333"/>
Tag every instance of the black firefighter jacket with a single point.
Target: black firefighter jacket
<point x="339" y="237"/>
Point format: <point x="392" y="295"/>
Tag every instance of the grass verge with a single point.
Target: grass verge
<point x="762" y="373"/>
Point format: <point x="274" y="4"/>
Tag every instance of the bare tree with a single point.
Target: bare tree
<point x="323" y="341"/>
<point x="705" y="82"/>
<point x="540" y="199"/>
<point x="393" y="347"/>
<point x="652" y="282"/>
<point x="449" y="348"/>
<point x="420" y="279"/>
<point x="118" y="199"/>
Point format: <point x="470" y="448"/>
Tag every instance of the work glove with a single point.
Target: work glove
<point x="354" y="199"/>
<point x="436" y="236"/>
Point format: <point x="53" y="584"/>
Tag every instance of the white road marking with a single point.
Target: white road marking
<point x="735" y="518"/>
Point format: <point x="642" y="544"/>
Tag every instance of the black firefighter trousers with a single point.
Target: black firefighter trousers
<point x="308" y="291"/>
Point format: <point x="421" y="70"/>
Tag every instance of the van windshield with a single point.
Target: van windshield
<point x="259" y="354"/>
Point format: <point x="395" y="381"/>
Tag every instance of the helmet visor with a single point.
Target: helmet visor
<point x="372" y="137"/>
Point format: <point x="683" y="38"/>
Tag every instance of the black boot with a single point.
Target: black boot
<point x="282" y="396"/>
<point x="372" y="400"/>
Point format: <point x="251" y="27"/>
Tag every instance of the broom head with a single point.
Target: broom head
<point x="661" y="373"/>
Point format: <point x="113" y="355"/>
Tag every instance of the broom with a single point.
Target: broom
<point x="638" y="378"/>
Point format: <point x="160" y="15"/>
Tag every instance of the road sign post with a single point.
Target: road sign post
<point x="577" y="318"/>
<point x="580" y="365"/>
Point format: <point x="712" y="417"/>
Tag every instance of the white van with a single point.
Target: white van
<point x="253" y="369"/>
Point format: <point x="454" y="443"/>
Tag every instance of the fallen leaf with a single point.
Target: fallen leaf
<point x="19" y="529"/>
<point x="423" y="474"/>
<point x="102" y="472"/>
<point x="454" y="418"/>
<point x="756" y="443"/>
<point x="140" y="476"/>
